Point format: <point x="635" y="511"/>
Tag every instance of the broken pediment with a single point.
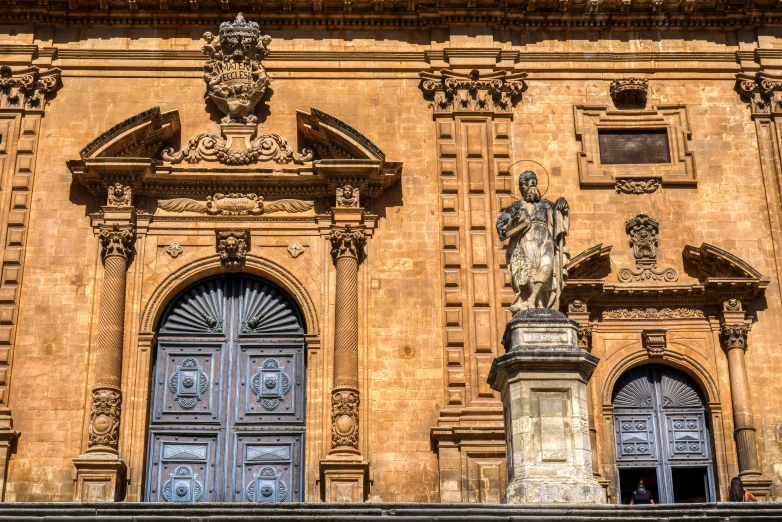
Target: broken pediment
<point x="714" y="262"/>
<point x="239" y="158"/>
<point x="592" y="263"/>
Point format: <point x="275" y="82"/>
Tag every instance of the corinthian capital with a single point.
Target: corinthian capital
<point x="735" y="336"/>
<point x="346" y="243"/>
<point x="117" y="240"/>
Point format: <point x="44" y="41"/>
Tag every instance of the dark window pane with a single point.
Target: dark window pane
<point x="633" y="146"/>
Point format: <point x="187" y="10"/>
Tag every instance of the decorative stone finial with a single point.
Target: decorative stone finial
<point x="629" y="92"/>
<point x="235" y="79"/>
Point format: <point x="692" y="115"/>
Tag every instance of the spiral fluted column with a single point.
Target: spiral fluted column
<point x="734" y="341"/>
<point x="347" y="248"/>
<point x="117" y="241"/>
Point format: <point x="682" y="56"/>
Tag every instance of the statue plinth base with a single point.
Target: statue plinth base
<point x="342" y="478"/>
<point x="99" y="478"/>
<point x="542" y="379"/>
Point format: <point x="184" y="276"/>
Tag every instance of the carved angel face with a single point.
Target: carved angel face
<point x="347" y="192"/>
<point x="119" y="191"/>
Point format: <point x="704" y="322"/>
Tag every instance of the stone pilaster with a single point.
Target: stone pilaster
<point x="100" y="471"/>
<point x="344" y="472"/>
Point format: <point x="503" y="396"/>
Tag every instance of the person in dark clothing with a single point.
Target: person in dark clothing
<point x="738" y="492"/>
<point x="641" y="495"/>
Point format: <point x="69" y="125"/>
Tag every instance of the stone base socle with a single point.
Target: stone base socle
<point x="342" y="478"/>
<point x="100" y="477"/>
<point x="542" y="381"/>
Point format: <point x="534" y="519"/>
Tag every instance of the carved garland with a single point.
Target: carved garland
<point x="653" y="313"/>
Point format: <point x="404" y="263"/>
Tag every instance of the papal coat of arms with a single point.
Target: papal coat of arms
<point x="235" y="78"/>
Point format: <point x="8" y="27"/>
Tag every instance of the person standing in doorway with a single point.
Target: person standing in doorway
<point x="738" y="493"/>
<point x="641" y="495"/>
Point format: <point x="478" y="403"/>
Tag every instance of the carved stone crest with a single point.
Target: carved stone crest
<point x="232" y="245"/>
<point x="235" y="79"/>
<point x="235" y="205"/>
<point x="629" y="92"/>
<point x="347" y="197"/>
<point x="105" y="418"/>
<point x="344" y="419"/>
<point x="643" y="232"/>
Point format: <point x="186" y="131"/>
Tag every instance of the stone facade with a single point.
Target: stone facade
<point x="407" y="125"/>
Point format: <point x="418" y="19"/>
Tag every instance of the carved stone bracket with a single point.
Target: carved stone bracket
<point x="117" y="240"/>
<point x="643" y="232"/>
<point x="629" y="92"/>
<point x="29" y="88"/>
<point x="233" y="245"/>
<point x="347" y="243"/>
<point x="654" y="342"/>
<point x="238" y="146"/>
<point x="453" y="92"/>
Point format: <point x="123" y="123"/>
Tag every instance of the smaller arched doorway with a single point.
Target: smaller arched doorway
<point x="226" y="419"/>
<point x="661" y="436"/>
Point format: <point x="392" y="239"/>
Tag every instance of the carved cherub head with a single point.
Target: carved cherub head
<point x="119" y="195"/>
<point x="347" y="192"/>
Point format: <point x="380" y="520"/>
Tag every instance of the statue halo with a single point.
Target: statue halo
<point x="548" y="178"/>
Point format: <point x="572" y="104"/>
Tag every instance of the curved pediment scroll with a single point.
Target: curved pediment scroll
<point x="332" y="138"/>
<point x="592" y="263"/>
<point x="712" y="261"/>
<point x="140" y="136"/>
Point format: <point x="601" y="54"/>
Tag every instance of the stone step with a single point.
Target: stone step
<point x="312" y="512"/>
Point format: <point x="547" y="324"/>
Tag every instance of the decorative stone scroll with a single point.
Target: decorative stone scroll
<point x="28" y="88"/>
<point x="235" y="205"/>
<point x="629" y="92"/>
<point x="209" y="146"/>
<point x="637" y="185"/>
<point x="643" y="232"/>
<point x="235" y="79"/>
<point x="763" y="91"/>
<point x="453" y="92"/>
<point x="233" y="245"/>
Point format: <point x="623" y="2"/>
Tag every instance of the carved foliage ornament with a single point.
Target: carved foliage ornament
<point x="455" y="92"/>
<point x="235" y="79"/>
<point x="105" y="417"/>
<point x="344" y="419"/>
<point x="643" y="239"/>
<point x="235" y="205"/>
<point x="637" y="185"/>
<point x="763" y="92"/>
<point x="232" y="245"/>
<point x="117" y="240"/>
<point x="29" y="89"/>
<point x="653" y="313"/>
<point x="735" y="336"/>
<point x="346" y="243"/>
<point x="209" y="146"/>
<point x="629" y="92"/>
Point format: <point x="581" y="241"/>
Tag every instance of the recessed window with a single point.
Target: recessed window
<point x="633" y="146"/>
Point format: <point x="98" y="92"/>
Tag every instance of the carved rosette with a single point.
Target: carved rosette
<point x="235" y="79"/>
<point x="105" y="419"/>
<point x="232" y="245"/>
<point x="456" y="92"/>
<point x="347" y="243"/>
<point x="117" y="240"/>
<point x="629" y="92"/>
<point x="344" y="418"/>
<point x="29" y="88"/>
<point x="735" y="336"/>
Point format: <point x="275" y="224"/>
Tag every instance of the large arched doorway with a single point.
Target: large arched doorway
<point x="661" y="436"/>
<point x="226" y="419"/>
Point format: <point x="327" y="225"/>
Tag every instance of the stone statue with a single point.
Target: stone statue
<point x="537" y="254"/>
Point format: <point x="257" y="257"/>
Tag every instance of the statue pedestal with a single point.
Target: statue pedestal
<point x="542" y="380"/>
<point x="99" y="478"/>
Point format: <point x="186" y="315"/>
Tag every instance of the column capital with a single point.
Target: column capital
<point x="347" y="243"/>
<point x="734" y="335"/>
<point x="117" y="239"/>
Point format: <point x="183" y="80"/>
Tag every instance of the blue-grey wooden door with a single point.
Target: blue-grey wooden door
<point x="227" y="403"/>
<point x="660" y="422"/>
